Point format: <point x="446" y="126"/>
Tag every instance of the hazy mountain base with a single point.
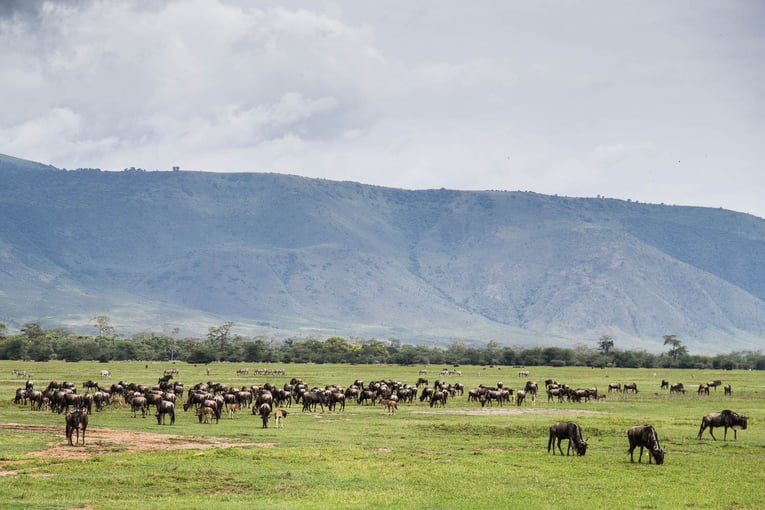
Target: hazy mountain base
<point x="283" y="256"/>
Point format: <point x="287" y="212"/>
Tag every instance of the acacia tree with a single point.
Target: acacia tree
<point x="219" y="338"/>
<point x="677" y="348"/>
<point x="103" y="324"/>
<point x="605" y="344"/>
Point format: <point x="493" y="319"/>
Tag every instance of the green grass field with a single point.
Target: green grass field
<point x="458" y="457"/>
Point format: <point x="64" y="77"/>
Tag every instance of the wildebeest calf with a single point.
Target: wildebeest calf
<point x="391" y="406"/>
<point x="279" y="416"/>
<point x="645" y="436"/>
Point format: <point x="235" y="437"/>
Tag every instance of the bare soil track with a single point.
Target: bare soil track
<point x="101" y="440"/>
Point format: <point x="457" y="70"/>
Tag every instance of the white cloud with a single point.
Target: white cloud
<point x="580" y="100"/>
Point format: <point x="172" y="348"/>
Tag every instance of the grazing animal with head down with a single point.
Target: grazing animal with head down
<point x="645" y="436"/>
<point x="726" y="419"/>
<point x="75" y="421"/>
<point x="165" y="408"/>
<point x="264" y="410"/>
<point x="567" y="430"/>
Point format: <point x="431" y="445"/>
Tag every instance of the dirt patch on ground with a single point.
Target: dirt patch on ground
<point x="101" y="440"/>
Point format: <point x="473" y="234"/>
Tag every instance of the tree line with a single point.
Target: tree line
<point x="35" y="343"/>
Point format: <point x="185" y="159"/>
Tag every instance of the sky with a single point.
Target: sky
<point x="651" y="101"/>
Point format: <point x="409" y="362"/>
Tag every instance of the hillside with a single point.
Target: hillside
<point x="282" y="255"/>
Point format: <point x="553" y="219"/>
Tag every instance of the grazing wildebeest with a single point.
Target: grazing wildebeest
<point x="703" y="389"/>
<point x="727" y="419"/>
<point x="75" y="421"/>
<point x="630" y="387"/>
<point x="677" y="388"/>
<point x="165" y="408"/>
<point x="21" y="397"/>
<point x="614" y="386"/>
<point x="645" y="436"/>
<point x="438" y="398"/>
<point x="264" y="410"/>
<point x="279" y="416"/>
<point x="664" y="384"/>
<point x="727" y="389"/>
<point x="531" y="387"/>
<point x="567" y="430"/>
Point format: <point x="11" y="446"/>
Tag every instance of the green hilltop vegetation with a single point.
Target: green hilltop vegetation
<point x="282" y="255"/>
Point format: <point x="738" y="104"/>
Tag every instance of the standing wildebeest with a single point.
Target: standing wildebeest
<point x="76" y="420"/>
<point x="138" y="402"/>
<point x="727" y="419"/>
<point x="614" y="386"/>
<point x="165" y="408"/>
<point x="727" y="389"/>
<point x="645" y="436"/>
<point x="664" y="384"/>
<point x="567" y="430"/>
<point x="264" y="410"/>
<point x="630" y="387"/>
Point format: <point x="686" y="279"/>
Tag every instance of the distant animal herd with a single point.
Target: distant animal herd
<point x="210" y="400"/>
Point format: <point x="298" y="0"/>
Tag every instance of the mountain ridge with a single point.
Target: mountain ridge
<point x="285" y="255"/>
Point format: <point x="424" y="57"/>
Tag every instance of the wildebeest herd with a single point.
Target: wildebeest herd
<point x="209" y="401"/>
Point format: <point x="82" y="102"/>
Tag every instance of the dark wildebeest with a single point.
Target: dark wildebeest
<point x="645" y="436"/>
<point x="614" y="386"/>
<point x="727" y="389"/>
<point x="264" y="410"/>
<point x="165" y="408"/>
<point x="630" y="387"/>
<point x="567" y="430"/>
<point x="677" y="388"/>
<point x="75" y="421"/>
<point x="664" y="384"/>
<point x="727" y="419"/>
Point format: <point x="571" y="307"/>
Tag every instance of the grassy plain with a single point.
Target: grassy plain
<point x="459" y="457"/>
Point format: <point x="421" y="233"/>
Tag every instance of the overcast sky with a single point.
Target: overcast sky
<point x="653" y="101"/>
